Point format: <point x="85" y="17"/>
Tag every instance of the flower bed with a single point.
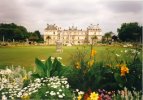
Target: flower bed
<point x="85" y="79"/>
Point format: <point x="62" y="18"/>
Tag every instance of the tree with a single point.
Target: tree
<point x="108" y="36"/>
<point x="130" y="32"/>
<point x="48" y="38"/>
<point x="33" y="37"/>
<point x="18" y="35"/>
<point x="12" y="31"/>
<point x="38" y="34"/>
<point x="6" y="33"/>
<point x="115" y="38"/>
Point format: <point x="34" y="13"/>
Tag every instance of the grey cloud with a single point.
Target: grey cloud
<point x="125" y="6"/>
<point x="35" y="3"/>
<point x="10" y="11"/>
<point x="71" y="8"/>
<point x="35" y="14"/>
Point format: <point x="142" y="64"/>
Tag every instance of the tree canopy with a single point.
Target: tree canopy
<point x="35" y="36"/>
<point x="115" y="38"/>
<point x="107" y="36"/>
<point x="130" y="32"/>
<point x="11" y="31"/>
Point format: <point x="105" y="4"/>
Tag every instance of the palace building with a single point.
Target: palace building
<point x="72" y="36"/>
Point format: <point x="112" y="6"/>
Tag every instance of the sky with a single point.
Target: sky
<point x="36" y="14"/>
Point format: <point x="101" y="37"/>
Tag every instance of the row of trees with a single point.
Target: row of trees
<point x="12" y="32"/>
<point x="128" y="32"/>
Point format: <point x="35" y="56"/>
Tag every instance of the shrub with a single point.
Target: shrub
<point x="49" y="68"/>
<point x="111" y="75"/>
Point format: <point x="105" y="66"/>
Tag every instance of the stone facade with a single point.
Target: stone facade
<point x="72" y="36"/>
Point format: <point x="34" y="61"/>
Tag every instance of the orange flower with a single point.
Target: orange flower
<point x="86" y="96"/>
<point x="124" y="70"/>
<point x="93" y="53"/>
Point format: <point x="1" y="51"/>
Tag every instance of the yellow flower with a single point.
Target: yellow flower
<point x="93" y="52"/>
<point x="90" y="63"/>
<point x="79" y="97"/>
<point x="77" y="65"/>
<point x="25" y="97"/>
<point x="124" y="70"/>
<point x="93" y="96"/>
<point x="25" y="78"/>
<point x="88" y="98"/>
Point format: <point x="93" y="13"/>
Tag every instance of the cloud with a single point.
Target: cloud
<point x="125" y="6"/>
<point x="10" y="12"/>
<point x="36" y="14"/>
<point x="35" y="3"/>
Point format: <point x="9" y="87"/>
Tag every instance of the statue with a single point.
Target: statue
<point x="59" y="45"/>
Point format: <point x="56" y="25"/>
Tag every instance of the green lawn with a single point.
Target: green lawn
<point x="25" y="56"/>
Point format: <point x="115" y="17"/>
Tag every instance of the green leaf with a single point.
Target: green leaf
<point x="48" y="65"/>
<point x="56" y="66"/>
<point x="119" y="79"/>
<point x="59" y="66"/>
<point x="55" y="73"/>
<point x="35" y="75"/>
<point x="41" y="69"/>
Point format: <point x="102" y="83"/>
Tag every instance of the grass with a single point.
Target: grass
<point x="25" y="55"/>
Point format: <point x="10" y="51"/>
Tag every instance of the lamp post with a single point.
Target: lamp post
<point x="3" y="39"/>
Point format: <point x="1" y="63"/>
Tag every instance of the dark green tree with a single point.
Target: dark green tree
<point x="115" y="38"/>
<point x="130" y="32"/>
<point x="38" y="35"/>
<point x="33" y="37"/>
<point x="12" y="31"/>
<point x="108" y="36"/>
<point x="18" y="35"/>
